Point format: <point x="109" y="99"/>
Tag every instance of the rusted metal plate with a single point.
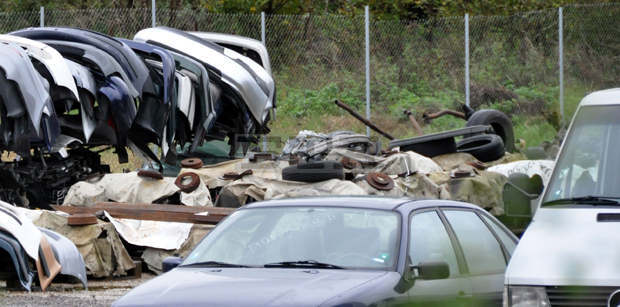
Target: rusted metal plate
<point x="154" y="212"/>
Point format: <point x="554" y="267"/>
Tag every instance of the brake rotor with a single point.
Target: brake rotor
<point x="194" y="163"/>
<point x="349" y="163"/>
<point x="380" y="181"/>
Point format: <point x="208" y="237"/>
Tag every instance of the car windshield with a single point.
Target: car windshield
<point x="588" y="169"/>
<point x="303" y="236"/>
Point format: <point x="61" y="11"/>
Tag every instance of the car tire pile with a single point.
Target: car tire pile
<point x="67" y="90"/>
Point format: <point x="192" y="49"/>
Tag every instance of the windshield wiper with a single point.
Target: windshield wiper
<point x="586" y="200"/>
<point x="303" y="263"/>
<point x="215" y="264"/>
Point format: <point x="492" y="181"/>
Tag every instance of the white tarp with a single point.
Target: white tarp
<point x="163" y="235"/>
<point x="130" y="188"/>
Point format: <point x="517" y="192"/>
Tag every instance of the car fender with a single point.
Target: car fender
<point x="156" y="117"/>
<point x="20" y="227"/>
<point x="68" y="256"/>
<point x="19" y="69"/>
<point x="134" y="67"/>
<point x="122" y="108"/>
<point x="18" y="256"/>
<point x="87" y="90"/>
<point x="90" y="56"/>
<point x="53" y="61"/>
<point x="234" y="75"/>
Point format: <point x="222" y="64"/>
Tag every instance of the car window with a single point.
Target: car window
<point x="588" y="163"/>
<point x="506" y="239"/>
<point x="482" y="251"/>
<point x="429" y="241"/>
<point x="348" y="237"/>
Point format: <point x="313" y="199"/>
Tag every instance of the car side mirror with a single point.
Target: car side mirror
<point x="432" y="270"/>
<point x="170" y="263"/>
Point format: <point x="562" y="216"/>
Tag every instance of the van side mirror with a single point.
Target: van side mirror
<point x="170" y="263"/>
<point x="432" y="270"/>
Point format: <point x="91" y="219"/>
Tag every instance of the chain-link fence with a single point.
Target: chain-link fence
<point x="415" y="65"/>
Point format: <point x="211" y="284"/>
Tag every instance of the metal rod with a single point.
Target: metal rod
<point x="153" y="14"/>
<point x="361" y="118"/>
<point x="561" y="61"/>
<point x="467" y="59"/>
<point x="42" y="16"/>
<point x="262" y="37"/>
<point x="416" y="126"/>
<point x="428" y="116"/>
<point x="367" y="29"/>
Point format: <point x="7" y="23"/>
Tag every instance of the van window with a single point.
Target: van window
<point x="589" y="164"/>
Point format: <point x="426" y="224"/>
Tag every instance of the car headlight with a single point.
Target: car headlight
<point x="521" y="296"/>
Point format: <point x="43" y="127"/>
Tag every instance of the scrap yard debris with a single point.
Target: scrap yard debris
<point x="193" y="111"/>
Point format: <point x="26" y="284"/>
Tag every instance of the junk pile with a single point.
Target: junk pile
<point x="68" y="94"/>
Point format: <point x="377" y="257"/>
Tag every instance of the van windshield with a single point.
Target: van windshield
<point x="589" y="164"/>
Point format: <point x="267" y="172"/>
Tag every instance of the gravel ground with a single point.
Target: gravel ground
<point x="100" y="293"/>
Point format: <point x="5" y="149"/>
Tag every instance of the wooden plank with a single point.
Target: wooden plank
<point x="153" y="212"/>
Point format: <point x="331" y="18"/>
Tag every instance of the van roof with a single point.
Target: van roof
<point x="604" y="97"/>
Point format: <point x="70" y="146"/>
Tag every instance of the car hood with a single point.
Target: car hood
<point x="251" y="82"/>
<point x="245" y="287"/>
<point x="567" y="246"/>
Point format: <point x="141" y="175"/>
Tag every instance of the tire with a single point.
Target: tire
<point x="150" y="174"/>
<point x="502" y="125"/>
<point x="187" y="187"/>
<point x="313" y="171"/>
<point x="485" y="147"/>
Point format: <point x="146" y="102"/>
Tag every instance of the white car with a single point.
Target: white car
<point x="570" y="253"/>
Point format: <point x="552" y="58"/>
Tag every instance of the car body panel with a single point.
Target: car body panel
<point x="156" y="118"/>
<point x="53" y="61"/>
<point x="569" y="247"/>
<point x="242" y="81"/>
<point x="246" y="287"/>
<point x="18" y="68"/>
<point x="18" y="256"/>
<point x="67" y="255"/>
<point x="122" y="107"/>
<point x="21" y="228"/>
<point x="224" y="39"/>
<point x="134" y="67"/>
<point x="89" y="56"/>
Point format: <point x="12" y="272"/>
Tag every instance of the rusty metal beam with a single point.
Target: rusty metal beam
<point x="154" y="212"/>
<point x="363" y="120"/>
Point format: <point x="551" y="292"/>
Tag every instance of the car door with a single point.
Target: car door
<point x="485" y="256"/>
<point x="428" y="241"/>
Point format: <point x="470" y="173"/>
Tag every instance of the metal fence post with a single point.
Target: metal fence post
<point x="153" y="14"/>
<point x="262" y="38"/>
<point x="42" y="16"/>
<point x="467" y="59"/>
<point x="561" y="61"/>
<point x="367" y="29"/>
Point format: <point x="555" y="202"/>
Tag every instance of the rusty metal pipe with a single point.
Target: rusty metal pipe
<point x="429" y="116"/>
<point x="416" y="126"/>
<point x="363" y="120"/>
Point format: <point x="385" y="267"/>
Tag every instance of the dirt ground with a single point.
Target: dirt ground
<point x="99" y="293"/>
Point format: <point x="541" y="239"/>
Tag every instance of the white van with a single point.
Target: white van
<point x="570" y="253"/>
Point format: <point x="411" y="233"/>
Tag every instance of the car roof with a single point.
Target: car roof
<point x="365" y="202"/>
<point x="604" y="97"/>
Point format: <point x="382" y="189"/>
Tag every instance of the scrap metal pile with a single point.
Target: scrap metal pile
<point x="67" y="94"/>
